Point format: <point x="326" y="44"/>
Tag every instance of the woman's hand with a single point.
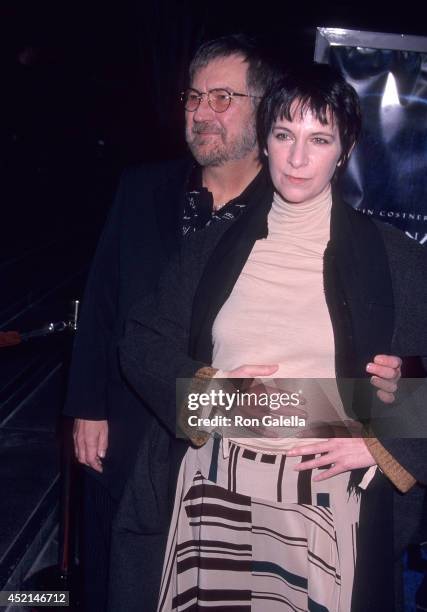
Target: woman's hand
<point x="386" y="372"/>
<point x="251" y="371"/>
<point x="342" y="454"/>
<point x="253" y="410"/>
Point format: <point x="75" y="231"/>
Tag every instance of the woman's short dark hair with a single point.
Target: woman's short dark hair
<point x="320" y="89"/>
<point x="260" y="73"/>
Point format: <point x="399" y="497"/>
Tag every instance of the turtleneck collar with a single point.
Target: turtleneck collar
<point x="307" y="218"/>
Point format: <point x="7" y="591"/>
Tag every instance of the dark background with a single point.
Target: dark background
<point x="91" y="87"/>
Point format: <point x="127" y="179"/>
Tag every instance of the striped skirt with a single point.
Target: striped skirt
<point x="248" y="533"/>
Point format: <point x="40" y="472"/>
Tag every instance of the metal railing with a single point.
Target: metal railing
<point x="11" y="338"/>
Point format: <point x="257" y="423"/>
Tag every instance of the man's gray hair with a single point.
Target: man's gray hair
<point x="260" y="73"/>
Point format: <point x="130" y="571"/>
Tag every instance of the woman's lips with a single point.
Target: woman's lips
<point x="296" y="180"/>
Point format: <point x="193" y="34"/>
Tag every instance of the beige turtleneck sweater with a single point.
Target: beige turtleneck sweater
<point x="277" y="313"/>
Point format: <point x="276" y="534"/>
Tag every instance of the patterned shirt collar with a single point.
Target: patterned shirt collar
<point x="198" y="203"/>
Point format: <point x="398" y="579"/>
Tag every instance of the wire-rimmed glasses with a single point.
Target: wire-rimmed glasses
<point x="218" y="99"/>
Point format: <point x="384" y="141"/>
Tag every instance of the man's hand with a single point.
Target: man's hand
<point x="343" y="454"/>
<point x="90" y="442"/>
<point x="386" y="371"/>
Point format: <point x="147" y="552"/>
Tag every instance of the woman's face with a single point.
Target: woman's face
<point x="302" y="155"/>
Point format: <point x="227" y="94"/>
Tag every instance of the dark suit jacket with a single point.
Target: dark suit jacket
<point x="372" y="311"/>
<point x="141" y="233"/>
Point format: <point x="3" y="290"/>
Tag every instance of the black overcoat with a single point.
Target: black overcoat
<point x="140" y="235"/>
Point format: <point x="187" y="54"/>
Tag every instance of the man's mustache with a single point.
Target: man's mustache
<point x="206" y="127"/>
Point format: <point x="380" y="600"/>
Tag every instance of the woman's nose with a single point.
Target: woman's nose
<point x="298" y="155"/>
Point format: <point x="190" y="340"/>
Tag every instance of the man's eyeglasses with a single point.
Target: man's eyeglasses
<point x="218" y="99"/>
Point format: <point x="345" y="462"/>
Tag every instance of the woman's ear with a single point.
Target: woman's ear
<point x="265" y="151"/>
<point x="347" y="157"/>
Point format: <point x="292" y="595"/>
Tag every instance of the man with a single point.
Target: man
<point x="156" y="206"/>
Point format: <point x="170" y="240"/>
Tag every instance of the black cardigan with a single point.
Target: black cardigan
<point x="375" y="284"/>
<point x="376" y="289"/>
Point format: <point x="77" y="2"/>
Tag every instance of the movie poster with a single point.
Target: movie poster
<point x="387" y="175"/>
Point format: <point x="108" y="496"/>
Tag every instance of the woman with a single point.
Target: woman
<point x="270" y="523"/>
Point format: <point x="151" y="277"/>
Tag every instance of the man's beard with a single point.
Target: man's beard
<point x="219" y="152"/>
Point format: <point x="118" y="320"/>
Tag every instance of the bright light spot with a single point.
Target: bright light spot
<point x="390" y="95"/>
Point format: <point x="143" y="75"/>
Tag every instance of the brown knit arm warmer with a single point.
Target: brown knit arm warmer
<point x="199" y="384"/>
<point x="401" y="478"/>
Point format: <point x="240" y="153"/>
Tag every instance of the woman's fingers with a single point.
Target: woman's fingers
<point x="332" y="471"/>
<point x="252" y="371"/>
<point x="310" y="449"/>
<point x="343" y="454"/>
<point x="314" y="463"/>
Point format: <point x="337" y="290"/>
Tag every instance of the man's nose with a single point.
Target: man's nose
<point x="203" y="111"/>
<point x="298" y="155"/>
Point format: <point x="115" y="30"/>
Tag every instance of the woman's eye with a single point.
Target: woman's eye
<point x="282" y="136"/>
<point x="321" y="141"/>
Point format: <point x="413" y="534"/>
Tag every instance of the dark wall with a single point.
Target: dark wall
<point x="91" y="87"/>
